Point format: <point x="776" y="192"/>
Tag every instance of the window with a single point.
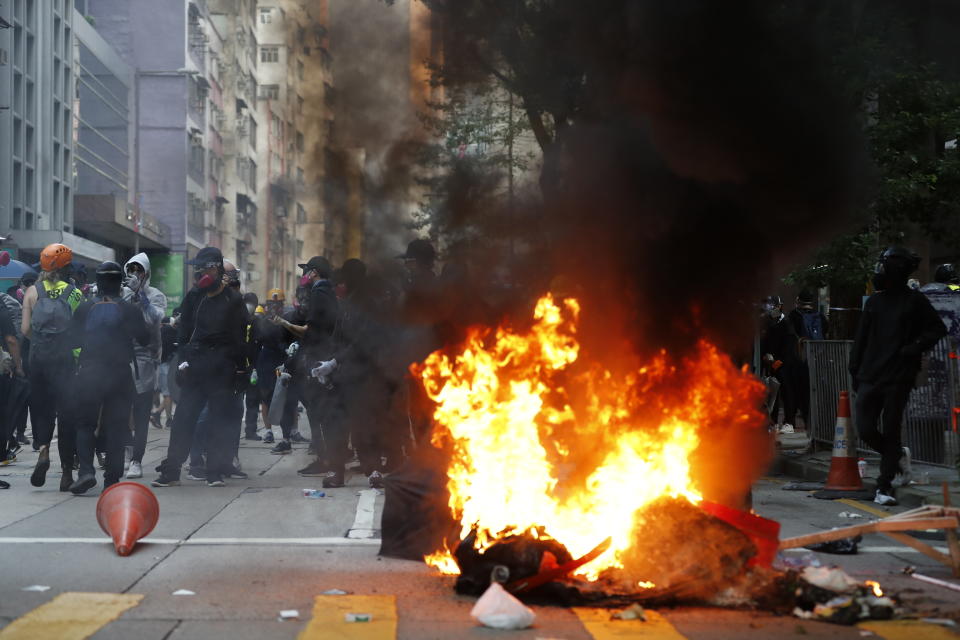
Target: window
<point x="300" y="177"/>
<point x="270" y="91"/>
<point x="269" y="54"/>
<point x="276" y="130"/>
<point x="300" y="70"/>
<point x="253" y="133"/>
<point x="301" y="142"/>
<point x="299" y="104"/>
<point x="266" y="15"/>
<point x="301" y="219"/>
<point x="252" y="178"/>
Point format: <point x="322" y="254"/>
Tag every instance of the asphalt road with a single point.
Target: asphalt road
<point x="257" y="547"/>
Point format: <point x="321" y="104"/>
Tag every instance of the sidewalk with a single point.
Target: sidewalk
<point x="926" y="488"/>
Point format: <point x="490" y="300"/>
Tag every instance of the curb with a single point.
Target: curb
<point x="803" y="468"/>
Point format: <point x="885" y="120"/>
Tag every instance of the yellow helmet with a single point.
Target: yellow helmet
<point x="275" y="294"/>
<point x="260" y="309"/>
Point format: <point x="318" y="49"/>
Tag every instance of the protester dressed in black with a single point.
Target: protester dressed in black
<point x="105" y="329"/>
<point x="211" y="355"/>
<point x="11" y="371"/>
<point x="897" y="326"/>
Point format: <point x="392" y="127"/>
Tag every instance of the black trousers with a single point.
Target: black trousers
<point x="252" y="402"/>
<point x="294" y="396"/>
<point x="883" y="405"/>
<point x="106" y="401"/>
<point x="52" y="391"/>
<point x="328" y="425"/>
<point x="142" y="404"/>
<point x="208" y="381"/>
<point x="368" y="404"/>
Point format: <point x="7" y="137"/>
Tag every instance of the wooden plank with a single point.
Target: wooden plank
<point x="922" y="547"/>
<point x="598" y="624"/>
<point x="330" y="613"/>
<point x="952" y="542"/>
<point x="70" y="616"/>
<point x="869" y="527"/>
<point x="907" y="630"/>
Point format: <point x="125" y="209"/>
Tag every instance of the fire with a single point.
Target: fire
<point x="873" y="584"/>
<point x="539" y="439"/>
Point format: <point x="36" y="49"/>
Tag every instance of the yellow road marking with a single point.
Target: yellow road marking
<point x="598" y="624"/>
<point x="908" y="630"/>
<point x="70" y="616"/>
<point x="329" y="618"/>
<point x="856" y="504"/>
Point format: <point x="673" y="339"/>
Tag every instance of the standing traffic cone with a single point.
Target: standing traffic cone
<point x="844" y="474"/>
<point x="127" y="511"/>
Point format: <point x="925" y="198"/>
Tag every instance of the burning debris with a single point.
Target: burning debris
<point x="581" y="480"/>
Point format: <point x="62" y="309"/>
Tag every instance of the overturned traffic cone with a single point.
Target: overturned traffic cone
<point x="844" y="475"/>
<point x="126" y="512"/>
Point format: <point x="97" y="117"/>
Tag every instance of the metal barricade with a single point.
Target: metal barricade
<point x="930" y="421"/>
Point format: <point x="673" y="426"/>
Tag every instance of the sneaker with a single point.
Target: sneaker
<point x="83" y="484"/>
<point x="66" y="481"/>
<point x="315" y="469"/>
<point x="252" y="436"/>
<point x="22" y="439"/>
<point x="376" y="480"/>
<point x="216" y="481"/>
<point x="39" y="475"/>
<point x="10" y="459"/>
<point x="4" y="484"/>
<point x="135" y="470"/>
<point x="101" y="461"/>
<point x="155" y="420"/>
<point x="168" y="424"/>
<point x="283" y="447"/>
<point x="296" y="437"/>
<point x="885" y="499"/>
<point x="268" y="437"/>
<point x="198" y="476"/>
<point x="236" y="474"/>
<point x="164" y="480"/>
<point x="787" y="428"/>
<point x="334" y="480"/>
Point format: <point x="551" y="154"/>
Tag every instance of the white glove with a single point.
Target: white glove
<point x="324" y="369"/>
<point x="132" y="282"/>
<point x="183" y="366"/>
<point x="292" y="349"/>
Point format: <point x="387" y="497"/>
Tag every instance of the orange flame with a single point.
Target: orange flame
<point x="873" y="584"/>
<point x="576" y="450"/>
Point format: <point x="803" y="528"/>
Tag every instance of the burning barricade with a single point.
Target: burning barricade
<point x="573" y="482"/>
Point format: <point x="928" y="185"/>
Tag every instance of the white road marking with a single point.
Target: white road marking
<point x="333" y="542"/>
<point x="363" y="528"/>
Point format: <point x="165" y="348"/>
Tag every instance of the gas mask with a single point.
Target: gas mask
<point x="306" y="279"/>
<point x="250" y="308"/>
<point x="205" y="281"/>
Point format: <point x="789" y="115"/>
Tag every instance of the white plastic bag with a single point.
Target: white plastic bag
<point x="498" y="609"/>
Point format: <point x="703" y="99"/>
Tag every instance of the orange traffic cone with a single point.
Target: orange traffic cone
<point x="844" y="475"/>
<point x="126" y="512"/>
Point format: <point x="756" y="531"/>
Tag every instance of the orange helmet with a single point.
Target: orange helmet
<point x="55" y="257"/>
<point x="275" y="294"/>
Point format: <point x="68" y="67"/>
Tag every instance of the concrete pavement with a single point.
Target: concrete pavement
<point x="257" y="546"/>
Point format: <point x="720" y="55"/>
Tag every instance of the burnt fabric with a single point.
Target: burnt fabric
<point x="416" y="515"/>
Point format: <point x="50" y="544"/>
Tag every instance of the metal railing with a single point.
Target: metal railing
<point x="930" y="421"/>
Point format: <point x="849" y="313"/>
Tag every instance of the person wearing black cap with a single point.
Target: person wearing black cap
<point x="105" y="329"/>
<point x="897" y="326"/>
<point x="779" y="348"/>
<point x="316" y="367"/>
<point x="211" y="354"/>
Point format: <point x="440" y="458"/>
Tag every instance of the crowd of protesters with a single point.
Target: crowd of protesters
<point x="97" y="365"/>
<point x="898" y="325"/>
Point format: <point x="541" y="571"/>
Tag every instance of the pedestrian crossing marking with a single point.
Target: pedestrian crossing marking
<point x="908" y="630"/>
<point x="598" y="624"/>
<point x="70" y="616"/>
<point x="330" y="613"/>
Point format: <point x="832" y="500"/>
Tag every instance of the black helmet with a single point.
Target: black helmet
<point x="947" y="274"/>
<point x="109" y="278"/>
<point x="772" y="301"/>
<point x="421" y="251"/>
<point x="898" y="260"/>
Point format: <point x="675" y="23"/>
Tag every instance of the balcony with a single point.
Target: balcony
<point x="113" y="221"/>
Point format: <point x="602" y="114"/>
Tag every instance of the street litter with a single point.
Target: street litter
<point x="358" y="617"/>
<point x="831" y="579"/>
<point x="36" y="587"/>
<point x="633" y="612"/>
<point x="183" y="592"/>
<point x="498" y="609"/>
<point x="850" y="514"/>
<point x="335" y="592"/>
<point x="910" y="571"/>
<point x="843" y="547"/>
<point x="313" y="493"/>
<point x="851" y="601"/>
<point x="289" y="614"/>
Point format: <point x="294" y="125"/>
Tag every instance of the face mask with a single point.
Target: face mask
<point x="305" y="280"/>
<point x="20" y="295"/>
<point x="206" y="282"/>
<point x="251" y="309"/>
<point x="774" y="313"/>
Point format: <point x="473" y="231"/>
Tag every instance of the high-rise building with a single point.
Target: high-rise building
<point x="38" y="132"/>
